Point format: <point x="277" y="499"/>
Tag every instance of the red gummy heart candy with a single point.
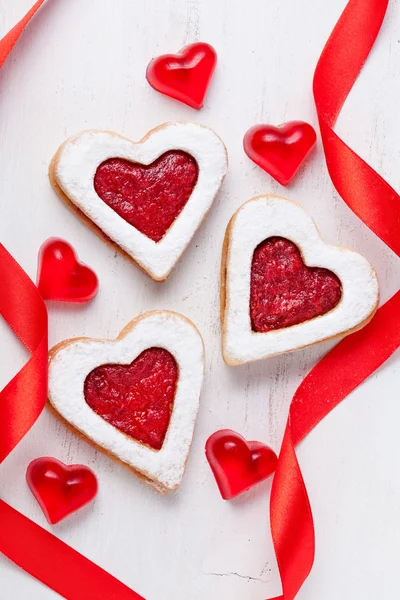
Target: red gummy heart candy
<point x="148" y="197"/>
<point x="284" y="291"/>
<point x="137" y="398"/>
<point x="184" y="76"/>
<point x="60" y="489"/>
<point x="280" y="150"/>
<point x="60" y="275"/>
<point x="237" y="465"/>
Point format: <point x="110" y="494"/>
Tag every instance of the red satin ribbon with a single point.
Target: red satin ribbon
<point x="359" y="355"/>
<point x="55" y="564"/>
<point x="24" y="397"/>
<point x="9" y="40"/>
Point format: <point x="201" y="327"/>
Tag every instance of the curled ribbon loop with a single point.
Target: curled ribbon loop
<point x="24" y="397"/>
<point x="355" y="358"/>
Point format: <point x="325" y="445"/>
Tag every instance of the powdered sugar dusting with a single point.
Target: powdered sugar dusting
<point x="267" y="216"/>
<point x="81" y="155"/>
<point x="72" y="363"/>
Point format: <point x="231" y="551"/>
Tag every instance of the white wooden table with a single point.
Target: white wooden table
<point x="80" y="65"/>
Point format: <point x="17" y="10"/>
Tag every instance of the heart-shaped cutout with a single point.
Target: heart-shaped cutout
<point x="280" y="151"/>
<point x="145" y="390"/>
<point x="61" y="276"/>
<point x="283" y="288"/>
<point x="135" y="397"/>
<point x="146" y="198"/>
<point x="184" y="76"/>
<point x="284" y="291"/>
<point x="60" y="489"/>
<point x="237" y="465"/>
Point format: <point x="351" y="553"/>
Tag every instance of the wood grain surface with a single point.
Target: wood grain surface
<point x="80" y="65"/>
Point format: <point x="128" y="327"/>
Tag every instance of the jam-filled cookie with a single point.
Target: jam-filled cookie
<point x="135" y="397"/>
<point x="283" y="288"/>
<point x="146" y="198"/>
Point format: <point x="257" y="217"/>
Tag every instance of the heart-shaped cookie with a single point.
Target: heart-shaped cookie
<point x="283" y="288"/>
<point x="146" y="198"/>
<point x="136" y="397"/>
<point x="184" y="76"/>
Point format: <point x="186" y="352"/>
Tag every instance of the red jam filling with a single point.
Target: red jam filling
<point x="284" y="291"/>
<point x="149" y="197"/>
<point x="137" y="399"/>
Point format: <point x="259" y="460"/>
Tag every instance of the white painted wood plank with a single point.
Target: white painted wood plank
<point x="81" y="65"/>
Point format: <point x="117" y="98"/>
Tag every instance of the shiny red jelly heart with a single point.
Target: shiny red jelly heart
<point x="137" y="399"/>
<point x="280" y="150"/>
<point x="237" y="465"/>
<point x="284" y="291"/>
<point x="148" y="197"/>
<point x="184" y="76"/>
<point x="60" y="489"/>
<point x="61" y="276"/>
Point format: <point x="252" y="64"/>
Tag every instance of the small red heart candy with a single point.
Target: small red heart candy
<point x="60" y="489"/>
<point x="280" y="150"/>
<point x="237" y="465"/>
<point x="60" y="275"/>
<point x="184" y="76"/>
